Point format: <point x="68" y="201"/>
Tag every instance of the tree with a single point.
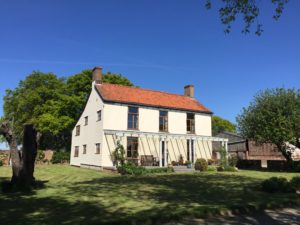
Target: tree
<point x="273" y="117"/>
<point x="53" y="105"/>
<point x="248" y="9"/>
<point x="220" y="125"/>
<point x="22" y="163"/>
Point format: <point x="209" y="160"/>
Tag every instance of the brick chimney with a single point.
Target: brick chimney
<point x="189" y="91"/>
<point x="97" y="75"/>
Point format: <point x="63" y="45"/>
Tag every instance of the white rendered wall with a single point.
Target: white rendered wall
<point x="89" y="134"/>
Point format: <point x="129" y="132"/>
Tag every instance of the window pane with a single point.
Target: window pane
<point x="130" y="121"/>
<point x="133" y="110"/>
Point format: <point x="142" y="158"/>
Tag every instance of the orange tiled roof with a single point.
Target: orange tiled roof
<point x="139" y="96"/>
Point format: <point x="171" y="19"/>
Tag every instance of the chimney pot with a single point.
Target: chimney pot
<point x="97" y="75"/>
<point x="189" y="91"/>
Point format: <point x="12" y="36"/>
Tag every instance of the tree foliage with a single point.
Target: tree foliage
<point x="51" y="104"/>
<point x="273" y="117"/>
<point x="248" y="9"/>
<point x="220" y="125"/>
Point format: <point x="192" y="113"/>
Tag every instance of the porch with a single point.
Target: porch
<point x="161" y="149"/>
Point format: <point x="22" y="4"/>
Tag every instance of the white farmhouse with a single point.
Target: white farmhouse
<point x="156" y="128"/>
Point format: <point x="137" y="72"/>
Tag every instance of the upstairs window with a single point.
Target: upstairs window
<point x="84" y="149"/>
<point x="76" y="151"/>
<point x="86" y="120"/>
<point x="99" y="115"/>
<point x="190" y="123"/>
<point x="98" y="148"/>
<point x="77" y="130"/>
<point x="163" y="121"/>
<point x="133" y="118"/>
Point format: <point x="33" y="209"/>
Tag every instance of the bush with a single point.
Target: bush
<point x="1" y="163"/>
<point x="231" y="169"/>
<point x="201" y="165"/>
<point x="295" y="182"/>
<point x="220" y="168"/>
<point x="60" y="157"/>
<point x="232" y="160"/>
<point x="277" y="184"/>
<point x="130" y="168"/>
<point x="212" y="168"/>
<point x="160" y="170"/>
<point x="40" y="155"/>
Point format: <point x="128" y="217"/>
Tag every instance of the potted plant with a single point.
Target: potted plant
<point x="188" y="164"/>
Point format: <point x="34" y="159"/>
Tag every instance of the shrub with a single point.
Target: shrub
<point x="130" y="168"/>
<point x="60" y="157"/>
<point x="40" y="155"/>
<point x="231" y="169"/>
<point x="119" y="154"/>
<point x="212" y="168"/>
<point x="1" y="163"/>
<point x="277" y="184"/>
<point x="295" y="182"/>
<point x="160" y="170"/>
<point x="201" y="165"/>
<point x="220" y="168"/>
<point x="232" y="160"/>
<point x="223" y="156"/>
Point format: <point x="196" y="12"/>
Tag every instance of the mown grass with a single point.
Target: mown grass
<point x="80" y="196"/>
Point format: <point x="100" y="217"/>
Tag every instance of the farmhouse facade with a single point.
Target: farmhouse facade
<point x="156" y="128"/>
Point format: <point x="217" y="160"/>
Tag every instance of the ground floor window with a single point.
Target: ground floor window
<point x="132" y="147"/>
<point x="76" y="151"/>
<point x="98" y="148"/>
<point x="84" y="149"/>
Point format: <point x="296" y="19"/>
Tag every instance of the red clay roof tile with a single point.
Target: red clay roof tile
<point x="139" y="96"/>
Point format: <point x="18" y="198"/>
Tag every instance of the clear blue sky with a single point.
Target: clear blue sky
<point x="161" y="45"/>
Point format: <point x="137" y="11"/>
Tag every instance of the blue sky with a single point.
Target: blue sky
<point x="161" y="45"/>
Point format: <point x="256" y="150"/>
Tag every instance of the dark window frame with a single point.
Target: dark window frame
<point x="163" y="121"/>
<point x="99" y="115"/>
<point x="132" y="147"/>
<point x="133" y="117"/>
<point x="98" y="148"/>
<point x="84" y="149"/>
<point x="190" y="123"/>
<point x="76" y="151"/>
<point x="77" y="132"/>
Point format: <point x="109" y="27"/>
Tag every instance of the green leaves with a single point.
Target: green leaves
<point x="248" y="10"/>
<point x="220" y="125"/>
<point x="52" y="104"/>
<point x="272" y="117"/>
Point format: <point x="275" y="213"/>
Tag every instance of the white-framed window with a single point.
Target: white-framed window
<point x="86" y="120"/>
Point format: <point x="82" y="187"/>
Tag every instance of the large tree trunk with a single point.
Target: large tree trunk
<point x="22" y="162"/>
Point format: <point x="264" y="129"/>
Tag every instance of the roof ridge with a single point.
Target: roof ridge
<point x="147" y="89"/>
<point x="110" y="92"/>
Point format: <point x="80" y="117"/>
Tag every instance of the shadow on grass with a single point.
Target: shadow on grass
<point x="146" y="199"/>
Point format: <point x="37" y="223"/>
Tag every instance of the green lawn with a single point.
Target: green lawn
<point x="80" y="196"/>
